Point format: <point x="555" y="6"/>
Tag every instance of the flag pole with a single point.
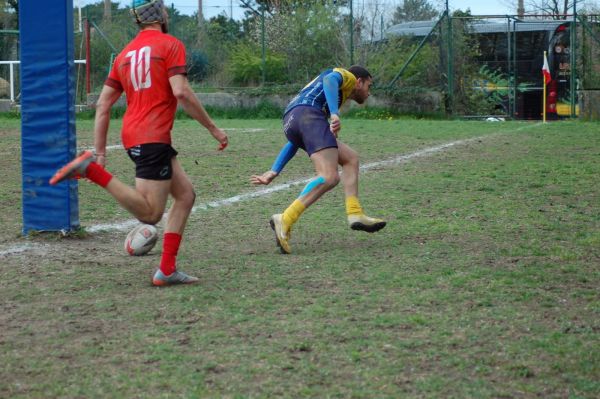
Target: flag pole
<point x="544" y="95"/>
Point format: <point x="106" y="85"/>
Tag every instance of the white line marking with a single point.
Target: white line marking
<point x="18" y="249"/>
<point x="128" y="224"/>
<point x="240" y="129"/>
<point x="244" y="129"/>
<point x="108" y="147"/>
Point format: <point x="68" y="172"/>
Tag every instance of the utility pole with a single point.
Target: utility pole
<point x="79" y="8"/>
<point x="521" y="9"/>
<point x="573" y="61"/>
<point x="263" y="46"/>
<point x="351" y="33"/>
<point x="107" y="10"/>
<point x="450" y="62"/>
<point x="200" y="13"/>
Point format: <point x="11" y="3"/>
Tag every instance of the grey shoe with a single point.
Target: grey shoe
<point x="177" y="277"/>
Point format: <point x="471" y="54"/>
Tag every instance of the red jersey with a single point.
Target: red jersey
<point x="143" y="70"/>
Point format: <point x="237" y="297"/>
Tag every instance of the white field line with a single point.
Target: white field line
<point x="304" y="181"/>
<point x="108" y="147"/>
<point x="240" y="129"/>
<point x="244" y="129"/>
<point x="17" y="249"/>
<point x="128" y="224"/>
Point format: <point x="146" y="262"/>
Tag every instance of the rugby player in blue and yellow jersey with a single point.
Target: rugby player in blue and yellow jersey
<point x="311" y="121"/>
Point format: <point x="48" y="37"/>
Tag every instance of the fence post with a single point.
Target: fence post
<point x="351" y="33"/>
<point x="12" y="82"/>
<point x="573" y="60"/>
<point x="450" y="63"/>
<point x="88" y="56"/>
<point x="263" y="46"/>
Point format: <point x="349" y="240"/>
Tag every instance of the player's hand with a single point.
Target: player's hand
<point x="265" y="178"/>
<point x="221" y="137"/>
<point x="101" y="160"/>
<point x="334" y="124"/>
<point x="222" y="146"/>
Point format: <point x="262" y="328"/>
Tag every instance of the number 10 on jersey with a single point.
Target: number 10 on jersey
<point x="140" y="68"/>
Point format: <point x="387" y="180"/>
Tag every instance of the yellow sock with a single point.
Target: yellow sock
<point x="293" y="212"/>
<point x="353" y="206"/>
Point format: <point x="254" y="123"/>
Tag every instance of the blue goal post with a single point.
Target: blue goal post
<point x="48" y="139"/>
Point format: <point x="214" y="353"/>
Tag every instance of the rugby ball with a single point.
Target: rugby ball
<point x="141" y="240"/>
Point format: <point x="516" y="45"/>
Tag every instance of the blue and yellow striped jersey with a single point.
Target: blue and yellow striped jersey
<point x="313" y="94"/>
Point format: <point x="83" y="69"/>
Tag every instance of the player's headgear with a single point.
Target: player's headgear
<point x="148" y="11"/>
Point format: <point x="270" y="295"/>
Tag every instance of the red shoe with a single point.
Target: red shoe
<point x="74" y="169"/>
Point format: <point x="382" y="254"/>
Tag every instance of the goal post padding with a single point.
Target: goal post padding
<point x="48" y="138"/>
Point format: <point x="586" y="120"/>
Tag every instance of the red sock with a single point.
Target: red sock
<point x="98" y="174"/>
<point x="171" y="243"/>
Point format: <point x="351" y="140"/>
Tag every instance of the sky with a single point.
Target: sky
<point x="216" y="7"/>
<point x="482" y="7"/>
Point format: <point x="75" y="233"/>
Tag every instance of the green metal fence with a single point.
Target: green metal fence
<point x="459" y="65"/>
<point x="496" y="63"/>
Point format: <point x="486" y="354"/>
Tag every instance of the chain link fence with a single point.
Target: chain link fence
<point x="475" y="66"/>
<point x="496" y="67"/>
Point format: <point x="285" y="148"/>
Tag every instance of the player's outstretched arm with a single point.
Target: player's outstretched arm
<point x="287" y="152"/>
<point x="265" y="178"/>
<point x="190" y="103"/>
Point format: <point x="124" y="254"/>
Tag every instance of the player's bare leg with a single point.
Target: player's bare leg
<point x="182" y="191"/>
<point x="325" y="162"/>
<point x="348" y="159"/>
<point x="146" y="201"/>
<point x="184" y="196"/>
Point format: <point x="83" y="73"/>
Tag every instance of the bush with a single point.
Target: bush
<point x="198" y="65"/>
<point x="246" y="65"/>
<point x="264" y="110"/>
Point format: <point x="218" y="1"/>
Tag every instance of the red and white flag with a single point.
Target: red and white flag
<point x="546" y="71"/>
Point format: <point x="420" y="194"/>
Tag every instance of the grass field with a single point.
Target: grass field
<point x="484" y="284"/>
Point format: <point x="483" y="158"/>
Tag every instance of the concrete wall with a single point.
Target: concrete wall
<point x="222" y="100"/>
<point x="426" y="102"/>
<point x="6" y="105"/>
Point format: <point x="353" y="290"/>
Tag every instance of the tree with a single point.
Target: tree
<point x="415" y="10"/>
<point x="286" y="6"/>
<point x="555" y="9"/>
<point x="9" y="14"/>
<point x="308" y="38"/>
<point x="212" y="50"/>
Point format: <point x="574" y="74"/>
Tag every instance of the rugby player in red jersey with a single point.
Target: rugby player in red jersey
<point x="151" y="71"/>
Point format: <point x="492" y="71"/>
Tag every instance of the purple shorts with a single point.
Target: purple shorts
<point x="308" y="128"/>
